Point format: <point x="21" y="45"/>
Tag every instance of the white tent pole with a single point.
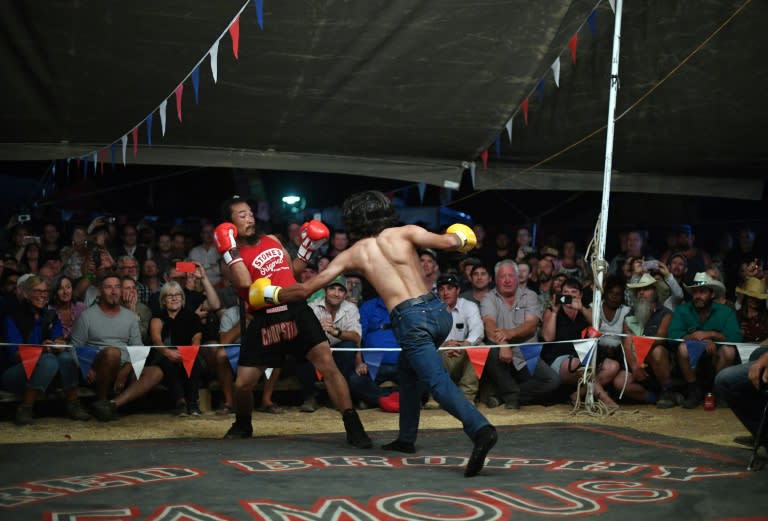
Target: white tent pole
<point x="603" y="219"/>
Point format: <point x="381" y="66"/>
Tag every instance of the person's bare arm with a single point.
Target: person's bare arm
<point x="548" y="325"/>
<point x="239" y="276"/>
<point x="422" y="238"/>
<point x="229" y="336"/>
<point x="302" y="290"/>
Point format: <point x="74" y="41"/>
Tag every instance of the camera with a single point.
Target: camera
<point x="566" y="299"/>
<point x="650" y="265"/>
<point x="23" y="217"/>
<point x="110" y="220"/>
<point x="459" y="325"/>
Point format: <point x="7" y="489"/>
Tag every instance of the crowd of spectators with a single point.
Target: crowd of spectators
<point x="117" y="287"/>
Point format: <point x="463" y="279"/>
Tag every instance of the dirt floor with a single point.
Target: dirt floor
<point x="718" y="427"/>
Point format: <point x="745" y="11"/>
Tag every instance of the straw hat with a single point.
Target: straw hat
<point x="754" y="287"/>
<point x="703" y="279"/>
<point x="645" y="281"/>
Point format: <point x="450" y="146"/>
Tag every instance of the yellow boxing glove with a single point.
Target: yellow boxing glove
<point x="262" y="293"/>
<point x="465" y="234"/>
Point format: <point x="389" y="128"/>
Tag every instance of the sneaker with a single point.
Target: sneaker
<point x="193" y="409"/>
<point x="309" y="405"/>
<point x="356" y="435"/>
<point x="24" y="416"/>
<point x="237" y="431"/>
<point x="76" y="412"/>
<point x="400" y="446"/>
<point x="667" y="400"/>
<point x="104" y="410"/>
<point x="485" y="439"/>
<point x="180" y="410"/>
<point x="493" y="402"/>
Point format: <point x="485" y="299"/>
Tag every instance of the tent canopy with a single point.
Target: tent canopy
<point x="403" y="89"/>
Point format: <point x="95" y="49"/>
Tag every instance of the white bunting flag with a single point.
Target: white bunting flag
<point x="613" y="5"/>
<point x="138" y="356"/>
<point x="745" y="350"/>
<point x="95" y="161"/>
<point x="472" y="170"/>
<point x="422" y="189"/>
<point x="268" y="373"/>
<point x="584" y="349"/>
<point x="556" y="70"/>
<point x="124" y="141"/>
<point x="214" y="52"/>
<point x="163" y="110"/>
<point x="508" y="125"/>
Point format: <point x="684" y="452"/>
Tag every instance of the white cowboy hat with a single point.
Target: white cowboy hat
<point x="703" y="279"/>
<point x="645" y="281"/>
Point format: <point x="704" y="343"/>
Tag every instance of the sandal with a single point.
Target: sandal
<point x="272" y="408"/>
<point x="225" y="410"/>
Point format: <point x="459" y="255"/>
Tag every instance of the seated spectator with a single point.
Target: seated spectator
<point x="511" y="314"/>
<point x="129" y="299"/>
<point x="176" y="326"/>
<point x="340" y="319"/>
<point x="129" y="246"/>
<point x="613" y="313"/>
<point x="704" y="320"/>
<point x="74" y="255"/>
<point x="376" y="333"/>
<point x="572" y="262"/>
<point x="229" y="333"/>
<point x="465" y="272"/>
<point x="33" y="323"/>
<point x="565" y="320"/>
<point x="635" y="250"/>
<point x="650" y="382"/>
<point x="697" y="259"/>
<point x="150" y="276"/>
<point x="523" y="244"/>
<point x="545" y="271"/>
<point x="206" y="254"/>
<point x="110" y="327"/>
<point x="128" y="266"/>
<point x="430" y="268"/>
<point x="753" y="315"/>
<point x="30" y="257"/>
<point x="524" y="274"/>
<point x="67" y="310"/>
<point x="674" y="273"/>
<point x="480" y="281"/>
<point x="467" y="330"/>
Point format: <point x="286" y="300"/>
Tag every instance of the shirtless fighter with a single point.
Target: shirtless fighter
<point x="387" y="257"/>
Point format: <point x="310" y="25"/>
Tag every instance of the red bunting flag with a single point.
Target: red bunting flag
<point x="572" y="43"/>
<point x="29" y="356"/>
<point x="484" y="157"/>
<point x="319" y="375"/>
<point x="590" y="332"/>
<point x="234" y="33"/>
<point x="188" y="355"/>
<point x="101" y="161"/>
<point x="135" y="139"/>
<point x="642" y="347"/>
<point x="478" y="356"/>
<point x="179" y="93"/>
<point x="524" y="108"/>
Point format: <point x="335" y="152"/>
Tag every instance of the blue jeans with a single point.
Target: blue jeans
<point x="420" y="325"/>
<point x="364" y="388"/>
<point x="746" y="402"/>
<point x="14" y="379"/>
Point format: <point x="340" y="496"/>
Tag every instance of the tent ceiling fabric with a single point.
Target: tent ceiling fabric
<point x="405" y="89"/>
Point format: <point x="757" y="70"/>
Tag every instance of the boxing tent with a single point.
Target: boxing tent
<point x="407" y="89"/>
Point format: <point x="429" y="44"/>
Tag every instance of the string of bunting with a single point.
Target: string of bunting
<point x="537" y="91"/>
<point x="98" y="157"/>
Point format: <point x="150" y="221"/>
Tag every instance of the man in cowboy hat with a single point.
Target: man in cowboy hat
<point x="651" y="319"/>
<point x="706" y="321"/>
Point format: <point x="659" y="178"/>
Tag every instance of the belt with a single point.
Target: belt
<point x="415" y="301"/>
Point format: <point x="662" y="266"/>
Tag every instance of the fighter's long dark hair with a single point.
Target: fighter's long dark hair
<point x="365" y="214"/>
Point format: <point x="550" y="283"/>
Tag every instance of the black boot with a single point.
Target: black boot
<point x="485" y="439"/>
<point x="400" y="446"/>
<point x="356" y="435"/>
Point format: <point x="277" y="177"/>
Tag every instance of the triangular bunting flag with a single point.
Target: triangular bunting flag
<point x="179" y="93"/>
<point x="85" y="356"/>
<point x="524" y="108"/>
<point x="508" y="126"/>
<point x="29" y="356"/>
<point x="556" y="71"/>
<point x="540" y="90"/>
<point x="498" y="145"/>
<point x="77" y="162"/>
<point x="260" y="13"/>
<point x="592" y="21"/>
<point x="572" y="44"/>
<point x="214" y="52"/>
<point x="422" y="190"/>
<point x="478" y="356"/>
<point x="584" y="349"/>
<point x="196" y="83"/>
<point x="124" y="141"/>
<point x="531" y="352"/>
<point x="149" y="128"/>
<point x="112" y="153"/>
<point x="95" y="161"/>
<point x="613" y="5"/>
<point x="745" y="351"/>
<point x="319" y="375"/>
<point x="590" y="332"/>
<point x="135" y="140"/>
<point x="472" y="171"/>
<point x="138" y="356"/>
<point x="695" y="350"/>
<point x="484" y="157"/>
<point x="233" y="355"/>
<point x="268" y="372"/>
<point x="234" y="33"/>
<point x="642" y="347"/>
<point x="85" y="166"/>
<point x="101" y="161"/>
<point x="188" y="356"/>
<point x="373" y="360"/>
<point x="163" y="115"/>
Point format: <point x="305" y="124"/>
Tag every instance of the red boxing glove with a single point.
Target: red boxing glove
<point x="313" y="235"/>
<point x="224" y="236"/>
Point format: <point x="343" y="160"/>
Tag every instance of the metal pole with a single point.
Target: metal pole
<point x="603" y="219"/>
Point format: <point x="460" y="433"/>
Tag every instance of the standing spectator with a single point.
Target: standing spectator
<point x="206" y="254"/>
<point x="176" y="326"/>
<point x="67" y="310"/>
<point x="511" y="314"/>
<point x="753" y="315"/>
<point x="33" y="323"/>
<point x="674" y="274"/>
<point x="481" y="284"/>
<point x="467" y="330"/>
<point x="74" y="255"/>
<point x="704" y="320"/>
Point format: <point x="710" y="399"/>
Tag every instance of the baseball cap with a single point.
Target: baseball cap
<point x="428" y="251"/>
<point x="449" y="279"/>
<point x="341" y="280"/>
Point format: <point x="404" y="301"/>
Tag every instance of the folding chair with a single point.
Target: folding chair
<point x="754" y="464"/>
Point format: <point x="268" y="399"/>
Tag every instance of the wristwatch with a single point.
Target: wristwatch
<point x="337" y="334"/>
